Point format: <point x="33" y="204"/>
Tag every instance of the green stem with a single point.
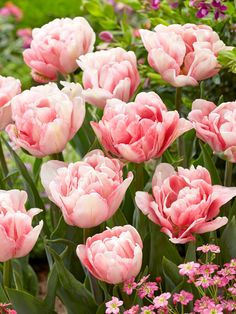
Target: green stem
<point x="228" y="173"/>
<point x="7" y="274"/>
<point x="139" y="180"/>
<point x="3" y="161"/>
<point x="180" y="140"/>
<point x="58" y="156"/>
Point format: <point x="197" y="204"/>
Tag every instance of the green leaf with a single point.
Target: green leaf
<point x="25" y="303"/>
<point x="171" y="274"/>
<point x="160" y="247"/>
<point x="52" y="286"/>
<point x="72" y="290"/>
<point x="209" y="163"/>
<point x="228" y="247"/>
<point x="191" y="252"/>
<point x="3" y="296"/>
<point x="135" y="4"/>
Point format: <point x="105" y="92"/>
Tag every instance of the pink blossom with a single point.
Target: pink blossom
<point x="133" y="310"/>
<point x="148" y="309"/>
<point x="189" y="269"/>
<point x="207" y="269"/>
<point x="46" y="118"/>
<point x="209" y="248"/>
<point x="106" y="36"/>
<point x="109" y="74"/>
<point x="113" y="306"/>
<point x="26" y="35"/>
<point x="88" y="192"/>
<point x="216" y="125"/>
<point x="184" y="202"/>
<point x="129" y="286"/>
<point x="140" y="130"/>
<point x="161" y="300"/>
<point x="183" y="54"/>
<point x="203" y="304"/>
<point x="17" y="235"/>
<point x="147" y="289"/>
<point x="56" y="46"/>
<point x="213" y="309"/>
<point x="11" y="9"/>
<point x="232" y="290"/>
<point x="142" y="280"/>
<point x="204" y="281"/>
<point x="113" y="256"/>
<point x="9" y="87"/>
<point x="220" y="281"/>
<point x="183" y="297"/>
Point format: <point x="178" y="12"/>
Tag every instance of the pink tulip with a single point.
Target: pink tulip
<point x="9" y="87"/>
<point x="88" y="192"/>
<point x="184" y="202"/>
<point x="46" y="118"/>
<point x="216" y="126"/>
<point x="113" y="256"/>
<point x="11" y="9"/>
<point x="183" y="54"/>
<point x="17" y="236"/>
<point x="140" y="130"/>
<point x="109" y="74"/>
<point x="56" y="46"/>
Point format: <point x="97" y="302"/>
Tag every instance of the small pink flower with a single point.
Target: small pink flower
<point x="213" y="309"/>
<point x="209" y="248"/>
<point x="148" y="309"/>
<point x="161" y="300"/>
<point x="220" y="281"/>
<point x="204" y="281"/>
<point x="232" y="290"/>
<point x="232" y="263"/>
<point x="203" y="304"/>
<point x="183" y="297"/>
<point x="133" y="310"/>
<point x="207" y="269"/>
<point x="143" y="279"/>
<point x="147" y="289"/>
<point x="129" y="286"/>
<point x="113" y="306"/>
<point x="106" y="36"/>
<point x="189" y="269"/>
<point x="13" y="10"/>
<point x="229" y="305"/>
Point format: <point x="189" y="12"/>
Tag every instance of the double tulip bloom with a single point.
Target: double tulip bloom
<point x="140" y="130"/>
<point x="114" y="255"/>
<point x="56" y="46"/>
<point x="109" y="74"/>
<point x="216" y="125"/>
<point x="46" y="118"/>
<point x="184" y="202"/>
<point x="88" y="192"/>
<point x="183" y="54"/>
<point x="9" y="87"/>
<point x="17" y="235"/>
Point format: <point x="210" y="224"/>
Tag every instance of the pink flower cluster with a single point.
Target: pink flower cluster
<point x="216" y="287"/>
<point x="4" y="309"/>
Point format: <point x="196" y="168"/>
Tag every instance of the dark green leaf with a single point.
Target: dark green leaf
<point x="228" y="247"/>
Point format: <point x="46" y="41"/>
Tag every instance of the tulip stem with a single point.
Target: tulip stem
<point x="3" y="165"/>
<point x="58" y="156"/>
<point x="228" y="173"/>
<point x="180" y="140"/>
<point x="139" y="177"/>
<point x="7" y="274"/>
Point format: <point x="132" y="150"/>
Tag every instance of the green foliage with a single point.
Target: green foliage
<point x="227" y="59"/>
